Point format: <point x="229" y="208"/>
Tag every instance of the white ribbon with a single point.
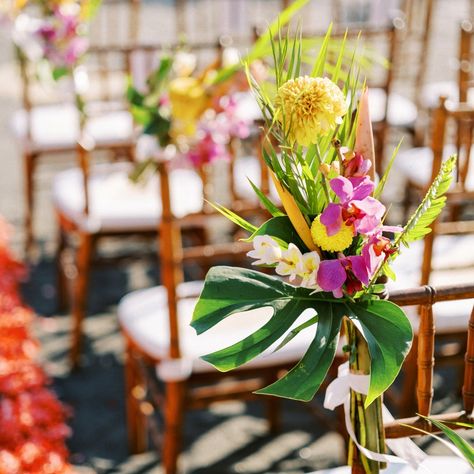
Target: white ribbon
<point x="338" y="393"/>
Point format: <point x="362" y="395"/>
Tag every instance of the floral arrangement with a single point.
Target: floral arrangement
<point x="32" y="419"/>
<point x="51" y="32"/>
<point x="328" y="245"/>
<point x="189" y="112"/>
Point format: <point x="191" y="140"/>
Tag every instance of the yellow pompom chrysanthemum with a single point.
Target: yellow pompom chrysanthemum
<point x="188" y="101"/>
<point x="332" y="243"/>
<point x="308" y="107"/>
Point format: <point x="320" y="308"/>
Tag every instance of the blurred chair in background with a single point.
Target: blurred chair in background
<point x="156" y="325"/>
<point x="449" y="245"/>
<point x="429" y="298"/>
<point x="99" y="200"/>
<point x="49" y="128"/>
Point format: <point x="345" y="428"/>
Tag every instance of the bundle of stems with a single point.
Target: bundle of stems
<point x="367" y="421"/>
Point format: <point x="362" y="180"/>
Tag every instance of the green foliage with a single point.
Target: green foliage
<point x="145" y="107"/>
<point x="388" y="333"/>
<point x="230" y="290"/>
<point x="465" y="449"/>
<point x="430" y="208"/>
<point x="233" y="217"/>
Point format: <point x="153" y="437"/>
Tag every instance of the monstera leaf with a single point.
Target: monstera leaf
<point x="231" y="290"/>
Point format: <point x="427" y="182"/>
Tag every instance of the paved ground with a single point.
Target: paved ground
<point x="230" y="437"/>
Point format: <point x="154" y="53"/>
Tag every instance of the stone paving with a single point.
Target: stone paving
<point x="227" y="438"/>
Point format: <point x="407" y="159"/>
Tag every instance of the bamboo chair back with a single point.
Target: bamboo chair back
<point x="426" y="297"/>
<point x="109" y="70"/>
<point x="117" y="23"/>
<point x="459" y="121"/>
<point x="466" y="60"/>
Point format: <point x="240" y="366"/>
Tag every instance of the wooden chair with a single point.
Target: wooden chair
<point x="460" y="89"/>
<point x="448" y="247"/>
<point x="155" y="323"/>
<point x="52" y="128"/>
<point x="424" y="353"/>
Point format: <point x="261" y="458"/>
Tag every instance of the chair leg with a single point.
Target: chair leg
<point x="29" y="165"/>
<point x="80" y="295"/>
<point x="62" y="290"/>
<point x="134" y="390"/>
<point x="174" y="418"/>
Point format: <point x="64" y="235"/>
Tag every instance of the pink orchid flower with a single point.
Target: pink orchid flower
<point x="356" y="270"/>
<point x="356" y="206"/>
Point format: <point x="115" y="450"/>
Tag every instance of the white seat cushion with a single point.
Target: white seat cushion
<point x="143" y="315"/>
<point x="416" y="164"/>
<point x="116" y="203"/>
<point x="402" y="112"/>
<point x="432" y="91"/>
<point x="449" y="252"/>
<point x="248" y="167"/>
<point x="433" y="464"/>
<point x="57" y="126"/>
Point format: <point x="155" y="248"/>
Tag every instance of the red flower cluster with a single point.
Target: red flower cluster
<point x="32" y="420"/>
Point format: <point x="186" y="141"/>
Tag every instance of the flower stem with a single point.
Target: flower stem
<point x="367" y="421"/>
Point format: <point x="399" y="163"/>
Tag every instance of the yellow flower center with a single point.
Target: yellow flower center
<point x="331" y="243"/>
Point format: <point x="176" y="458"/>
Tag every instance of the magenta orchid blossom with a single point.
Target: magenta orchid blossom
<point x="356" y="206"/>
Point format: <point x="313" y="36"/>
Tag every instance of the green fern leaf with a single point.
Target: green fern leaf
<point x="430" y="208"/>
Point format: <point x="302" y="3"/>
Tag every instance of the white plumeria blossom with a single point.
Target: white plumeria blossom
<point x="267" y="251"/>
<point x="310" y="263"/>
<point x="291" y="263"/>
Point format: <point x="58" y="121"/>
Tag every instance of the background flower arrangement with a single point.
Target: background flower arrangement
<point x="32" y="438"/>
<point x="329" y="242"/>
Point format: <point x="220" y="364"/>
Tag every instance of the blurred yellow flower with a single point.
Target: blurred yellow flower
<point x="308" y="107"/>
<point x="331" y="243"/>
<point x="188" y="101"/>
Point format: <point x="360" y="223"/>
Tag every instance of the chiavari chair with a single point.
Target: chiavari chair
<point x="49" y="126"/>
<point x="155" y="323"/>
<point x="94" y="201"/>
<point x="428" y="297"/>
<point x="446" y="250"/>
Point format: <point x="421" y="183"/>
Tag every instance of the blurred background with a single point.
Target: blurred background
<point x="421" y="41"/>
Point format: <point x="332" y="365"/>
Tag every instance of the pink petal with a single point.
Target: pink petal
<point x="370" y="206"/>
<point x="331" y="275"/>
<point x="359" y="268"/>
<point x="332" y="218"/>
<point x="362" y="188"/>
<point x="342" y="187"/>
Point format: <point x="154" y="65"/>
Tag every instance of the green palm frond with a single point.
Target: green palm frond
<point x="430" y="208"/>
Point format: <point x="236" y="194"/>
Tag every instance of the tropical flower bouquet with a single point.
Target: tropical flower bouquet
<point x="329" y="247"/>
<point x="51" y="33"/>
<point x="189" y="112"/>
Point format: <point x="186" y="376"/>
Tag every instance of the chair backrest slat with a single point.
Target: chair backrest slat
<point x="425" y="360"/>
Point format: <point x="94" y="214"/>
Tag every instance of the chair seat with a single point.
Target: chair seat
<point x="433" y="464"/>
<point x="117" y="204"/>
<point x="143" y="315"/>
<point x="420" y="174"/>
<point x="450" y="252"/>
<point x="432" y="91"/>
<point x="56" y="126"/>
<point x="402" y="112"/>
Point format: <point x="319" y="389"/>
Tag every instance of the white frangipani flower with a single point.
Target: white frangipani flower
<point x="291" y="263"/>
<point x="310" y="264"/>
<point x="266" y="250"/>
